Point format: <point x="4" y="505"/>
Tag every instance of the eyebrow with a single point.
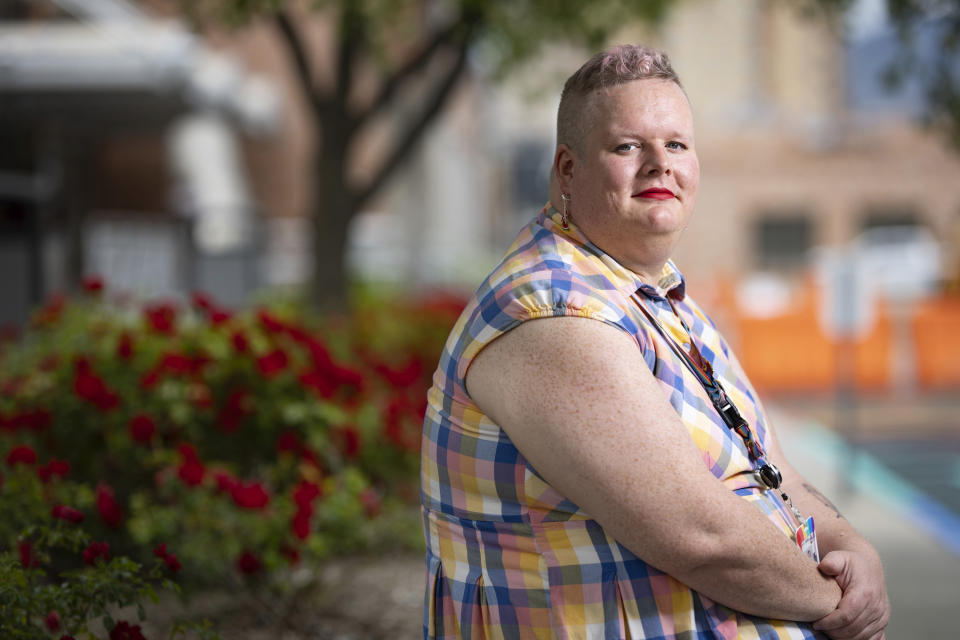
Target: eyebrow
<point x="633" y="134"/>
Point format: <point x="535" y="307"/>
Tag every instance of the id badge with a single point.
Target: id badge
<point x="807" y="540"/>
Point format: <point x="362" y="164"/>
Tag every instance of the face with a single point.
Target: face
<point x="633" y="184"/>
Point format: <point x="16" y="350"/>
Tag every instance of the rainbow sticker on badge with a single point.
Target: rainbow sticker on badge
<point x="807" y="540"/>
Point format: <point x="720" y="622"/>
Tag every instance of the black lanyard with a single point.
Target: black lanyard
<point x="702" y="371"/>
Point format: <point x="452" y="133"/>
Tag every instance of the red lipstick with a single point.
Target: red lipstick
<point x="656" y="193"/>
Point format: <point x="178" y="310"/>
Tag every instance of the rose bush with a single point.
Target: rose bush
<point x="247" y="441"/>
<point x="55" y="580"/>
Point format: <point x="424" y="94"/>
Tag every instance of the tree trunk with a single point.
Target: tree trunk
<point x="331" y="220"/>
<point x="333" y="209"/>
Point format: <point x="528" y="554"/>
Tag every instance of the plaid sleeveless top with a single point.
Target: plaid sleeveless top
<point x="507" y="555"/>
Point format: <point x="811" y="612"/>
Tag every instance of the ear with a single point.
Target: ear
<point x="564" y="165"/>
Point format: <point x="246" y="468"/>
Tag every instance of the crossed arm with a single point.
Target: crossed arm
<point x="579" y="402"/>
<point x="864" y="610"/>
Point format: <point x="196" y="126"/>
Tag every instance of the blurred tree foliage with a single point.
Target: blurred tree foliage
<point x="413" y="52"/>
<point x="941" y="78"/>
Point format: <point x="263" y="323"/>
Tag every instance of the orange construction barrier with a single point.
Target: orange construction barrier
<point x="936" y="342"/>
<point x="790" y="352"/>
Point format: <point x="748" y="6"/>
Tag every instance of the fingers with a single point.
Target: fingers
<point x="859" y="616"/>
<point x="874" y="630"/>
<point x="836" y="564"/>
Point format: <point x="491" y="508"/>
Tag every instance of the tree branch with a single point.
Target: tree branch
<point x="412" y="66"/>
<point x="352" y="33"/>
<point x="301" y="59"/>
<point x="405" y="142"/>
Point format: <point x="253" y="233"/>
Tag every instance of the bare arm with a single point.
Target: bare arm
<point x="579" y="402"/>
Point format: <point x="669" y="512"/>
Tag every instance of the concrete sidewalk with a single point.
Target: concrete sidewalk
<point x="919" y="546"/>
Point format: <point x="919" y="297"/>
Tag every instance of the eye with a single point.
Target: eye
<point x="676" y="146"/>
<point x="626" y="146"/>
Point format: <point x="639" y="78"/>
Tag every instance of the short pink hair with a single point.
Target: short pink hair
<point x="615" y="66"/>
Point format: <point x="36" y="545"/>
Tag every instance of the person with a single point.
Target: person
<point x="595" y="463"/>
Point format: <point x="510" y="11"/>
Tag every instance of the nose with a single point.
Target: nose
<point x="655" y="162"/>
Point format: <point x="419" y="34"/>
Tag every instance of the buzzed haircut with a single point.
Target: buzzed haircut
<point x="615" y="66"/>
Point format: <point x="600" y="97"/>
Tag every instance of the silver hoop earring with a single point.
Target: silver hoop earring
<point x="563" y="215"/>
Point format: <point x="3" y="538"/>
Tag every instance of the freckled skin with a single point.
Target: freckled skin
<point x="577" y="399"/>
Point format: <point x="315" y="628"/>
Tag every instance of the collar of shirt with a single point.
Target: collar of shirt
<point x="670" y="283"/>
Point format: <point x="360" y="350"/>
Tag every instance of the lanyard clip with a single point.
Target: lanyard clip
<point x="731" y="416"/>
<point x="771" y="476"/>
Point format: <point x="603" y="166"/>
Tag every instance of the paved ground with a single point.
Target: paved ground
<point x="894" y="476"/>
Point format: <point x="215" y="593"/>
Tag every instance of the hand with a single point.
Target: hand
<point x="863" y="611"/>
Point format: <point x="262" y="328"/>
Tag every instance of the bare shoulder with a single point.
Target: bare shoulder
<point x="564" y="349"/>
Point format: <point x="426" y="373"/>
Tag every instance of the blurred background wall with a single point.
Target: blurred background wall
<point x="168" y="160"/>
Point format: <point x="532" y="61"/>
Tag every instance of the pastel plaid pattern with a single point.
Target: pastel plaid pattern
<point x="507" y="555"/>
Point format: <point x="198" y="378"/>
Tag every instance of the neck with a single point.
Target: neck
<point x="648" y="274"/>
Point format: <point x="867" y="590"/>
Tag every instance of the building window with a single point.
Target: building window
<point x="782" y="241"/>
<point x="531" y="174"/>
<point x="889" y="217"/>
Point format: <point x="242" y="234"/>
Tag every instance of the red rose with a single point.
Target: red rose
<point x="240" y="342"/>
<point x="270" y="323"/>
<point x="69" y="514"/>
<point x="53" y="621"/>
<point x="226" y="483"/>
<point x="142" y="427"/>
<point x="89" y="386"/>
<point x="191" y="471"/>
<point x="305" y="493"/>
<point x="161" y="318"/>
<point x="272" y="363"/>
<point x="324" y="385"/>
<point x="168" y="558"/>
<point x="349" y="440"/>
<point x="96" y="551"/>
<point x="252" y="496"/>
<point x="234" y="410"/>
<point x="150" y="379"/>
<point x="125" y="346"/>
<point x="202" y="300"/>
<point x="205" y="303"/>
<point x="27" y="557"/>
<point x="301" y="525"/>
<point x="53" y="468"/>
<point x="21" y="454"/>
<point x="172" y="562"/>
<point x="248" y="563"/>
<point x="123" y="630"/>
<point x="309" y="456"/>
<point x="92" y="284"/>
<point x="59" y="467"/>
<point x="35" y="420"/>
<point x="402" y="377"/>
<point x="108" y="507"/>
<point x="177" y="363"/>
<point x="187" y="450"/>
<point x="349" y="377"/>
<point x="288" y="442"/>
